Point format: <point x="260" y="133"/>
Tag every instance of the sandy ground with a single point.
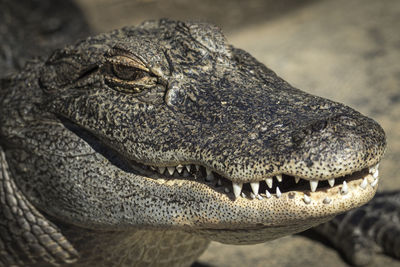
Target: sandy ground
<point x="346" y="50"/>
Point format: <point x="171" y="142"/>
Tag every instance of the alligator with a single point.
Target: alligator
<point x="138" y="146"/>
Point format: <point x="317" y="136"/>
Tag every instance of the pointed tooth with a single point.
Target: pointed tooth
<point x="371" y="170"/>
<point x="219" y="182"/>
<point x="179" y="168"/>
<point x="279" y="177"/>
<point x="313" y="185"/>
<point x="374" y="168"/>
<point x="161" y="170"/>
<point x="243" y="195"/>
<point x="268" y="194"/>
<point x="374" y="183"/>
<point x="327" y="200"/>
<point x="364" y="183"/>
<point x="226" y="189"/>
<point x="210" y="177"/>
<point x="259" y="197"/>
<point x="296" y="179"/>
<point x="331" y="182"/>
<point x="237" y="189"/>
<point x="307" y="199"/>
<point x="188" y="167"/>
<point x="278" y="192"/>
<point x="344" y="189"/>
<point x="153" y="168"/>
<point x="252" y="195"/>
<point x="375" y="174"/>
<point x="255" y="186"/>
<point x="171" y="170"/>
<point x="269" y="182"/>
<point x="197" y="167"/>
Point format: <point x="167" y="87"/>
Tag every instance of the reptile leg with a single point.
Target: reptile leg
<point x="372" y="228"/>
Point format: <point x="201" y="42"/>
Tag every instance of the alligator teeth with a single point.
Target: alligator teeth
<point x="374" y="171"/>
<point x="237" y="189"/>
<point x="327" y="200"/>
<point x="187" y="167"/>
<point x="269" y="182"/>
<point x="210" y="176"/>
<point x="313" y="185"/>
<point x="307" y="199"/>
<point x="374" y="168"/>
<point x="364" y="183"/>
<point x="344" y="189"/>
<point x="179" y="168"/>
<point x="278" y="192"/>
<point x="255" y="186"/>
<point x="171" y="170"/>
<point x="161" y="170"/>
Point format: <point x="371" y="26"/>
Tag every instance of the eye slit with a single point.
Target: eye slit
<point x="128" y="73"/>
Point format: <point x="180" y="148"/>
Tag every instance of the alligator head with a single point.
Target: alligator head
<point x="181" y="130"/>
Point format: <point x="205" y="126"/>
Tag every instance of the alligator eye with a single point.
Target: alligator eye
<point x="127" y="75"/>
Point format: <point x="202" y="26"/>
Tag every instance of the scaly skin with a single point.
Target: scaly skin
<point x="374" y="227"/>
<point x="87" y="135"/>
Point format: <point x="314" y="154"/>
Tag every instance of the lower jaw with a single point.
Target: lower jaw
<point x="246" y="220"/>
<point x="257" y="221"/>
<point x="261" y="234"/>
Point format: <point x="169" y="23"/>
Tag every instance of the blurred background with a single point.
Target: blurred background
<point x="345" y="50"/>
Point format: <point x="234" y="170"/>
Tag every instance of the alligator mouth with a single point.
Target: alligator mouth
<point x="277" y="186"/>
<point x="271" y="187"/>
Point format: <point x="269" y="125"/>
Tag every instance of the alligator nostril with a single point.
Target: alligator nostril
<point x="319" y="125"/>
<point x="298" y="137"/>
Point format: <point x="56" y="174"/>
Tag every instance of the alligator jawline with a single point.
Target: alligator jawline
<point x="260" y="190"/>
<point x="280" y="184"/>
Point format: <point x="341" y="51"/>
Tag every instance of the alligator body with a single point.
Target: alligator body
<point x="360" y="233"/>
<point x="32" y="28"/>
<point x="139" y="146"/>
